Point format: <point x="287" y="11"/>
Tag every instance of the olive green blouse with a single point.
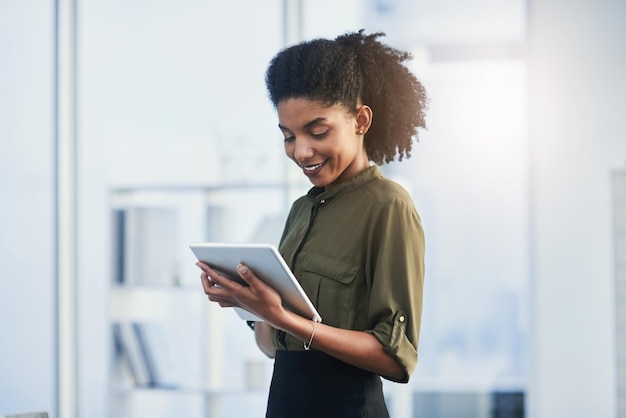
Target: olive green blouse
<point x="358" y="252"/>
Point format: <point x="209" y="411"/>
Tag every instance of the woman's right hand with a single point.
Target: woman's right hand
<point x="257" y="297"/>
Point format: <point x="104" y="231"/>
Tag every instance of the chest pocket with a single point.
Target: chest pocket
<point x="329" y="282"/>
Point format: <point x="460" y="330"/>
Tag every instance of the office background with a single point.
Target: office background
<point x="516" y="179"/>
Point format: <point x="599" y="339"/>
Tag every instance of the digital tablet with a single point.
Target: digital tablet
<point x="266" y="263"/>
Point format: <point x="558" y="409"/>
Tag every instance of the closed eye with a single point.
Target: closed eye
<point x="289" y="138"/>
<point x="320" y="135"/>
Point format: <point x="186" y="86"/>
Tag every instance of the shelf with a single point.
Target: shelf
<point x="172" y="351"/>
<point x="185" y="391"/>
<point x="154" y="303"/>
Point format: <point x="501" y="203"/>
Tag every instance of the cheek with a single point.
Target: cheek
<point x="289" y="149"/>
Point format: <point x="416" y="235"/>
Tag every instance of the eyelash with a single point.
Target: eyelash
<point x="319" y="136"/>
<point x="315" y="136"/>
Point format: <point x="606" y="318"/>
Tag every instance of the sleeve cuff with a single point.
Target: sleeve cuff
<point x="395" y="343"/>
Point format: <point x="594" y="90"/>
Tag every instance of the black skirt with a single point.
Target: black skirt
<point x="312" y="384"/>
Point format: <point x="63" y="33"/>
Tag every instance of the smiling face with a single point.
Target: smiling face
<point x="325" y="141"/>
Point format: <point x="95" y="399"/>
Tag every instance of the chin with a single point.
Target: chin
<point x="318" y="182"/>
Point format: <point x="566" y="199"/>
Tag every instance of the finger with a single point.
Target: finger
<point x="206" y="276"/>
<point x="222" y="281"/>
<point x="204" y="268"/>
<point x="206" y="281"/>
<point x="247" y="275"/>
<point x="202" y="265"/>
<point x="221" y="296"/>
<point x="216" y="296"/>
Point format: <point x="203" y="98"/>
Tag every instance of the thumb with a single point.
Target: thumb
<point x="245" y="274"/>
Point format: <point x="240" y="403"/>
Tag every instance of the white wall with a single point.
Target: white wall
<point x="578" y="132"/>
<point x="27" y="269"/>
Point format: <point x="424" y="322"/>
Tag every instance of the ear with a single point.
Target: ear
<point x="364" y="116"/>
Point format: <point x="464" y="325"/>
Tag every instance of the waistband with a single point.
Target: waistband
<point x="313" y="360"/>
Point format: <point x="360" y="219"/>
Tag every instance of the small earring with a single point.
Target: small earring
<point x="360" y="132"/>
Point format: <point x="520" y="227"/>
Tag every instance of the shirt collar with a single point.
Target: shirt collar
<point x="319" y="193"/>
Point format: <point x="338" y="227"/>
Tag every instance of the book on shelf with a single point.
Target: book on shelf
<point x="159" y="350"/>
<point x="145" y="246"/>
<point x="146" y="352"/>
<point x="129" y="352"/>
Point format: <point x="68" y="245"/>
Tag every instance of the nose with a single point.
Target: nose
<point x="302" y="150"/>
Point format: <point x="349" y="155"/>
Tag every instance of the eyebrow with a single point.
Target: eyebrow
<point x="306" y="126"/>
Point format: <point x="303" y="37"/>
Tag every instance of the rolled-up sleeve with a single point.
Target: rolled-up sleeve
<point x="397" y="280"/>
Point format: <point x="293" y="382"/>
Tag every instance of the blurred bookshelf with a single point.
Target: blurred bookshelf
<point x="173" y="353"/>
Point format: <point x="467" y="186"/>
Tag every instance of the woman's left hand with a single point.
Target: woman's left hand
<point x="257" y="297"/>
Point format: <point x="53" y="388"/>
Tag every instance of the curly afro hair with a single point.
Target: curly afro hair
<point x="356" y="68"/>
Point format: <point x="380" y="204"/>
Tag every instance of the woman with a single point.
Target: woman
<point x="354" y="242"/>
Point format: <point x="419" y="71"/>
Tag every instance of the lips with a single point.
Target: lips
<point x="312" y="170"/>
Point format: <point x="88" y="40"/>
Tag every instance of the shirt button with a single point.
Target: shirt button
<point x="401" y="319"/>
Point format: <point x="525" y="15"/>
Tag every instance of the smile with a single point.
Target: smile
<point x="312" y="167"/>
<point x="312" y="170"/>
